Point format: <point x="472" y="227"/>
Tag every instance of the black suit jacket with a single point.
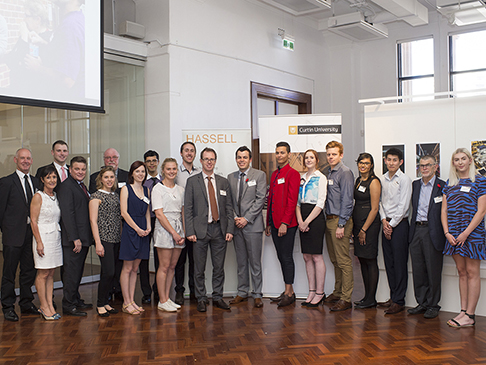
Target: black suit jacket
<point x="122" y="177"/>
<point x="74" y="213"/>
<point x="39" y="172"/>
<point x="14" y="209"/>
<point x="436" y="231"/>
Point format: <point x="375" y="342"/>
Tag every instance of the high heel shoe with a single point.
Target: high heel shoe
<point x="111" y="310"/>
<point x="48" y="318"/>
<point x="314" y="305"/>
<point x="104" y="315"/>
<point x="306" y="303"/>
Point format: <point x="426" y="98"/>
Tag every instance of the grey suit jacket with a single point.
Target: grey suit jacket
<point x="252" y="200"/>
<point x="196" y="206"/>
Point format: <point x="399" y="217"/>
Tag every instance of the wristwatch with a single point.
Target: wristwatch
<point x="340" y="225"/>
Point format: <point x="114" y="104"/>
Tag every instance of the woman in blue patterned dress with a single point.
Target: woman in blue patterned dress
<point x="312" y="224"/>
<point x="463" y="210"/>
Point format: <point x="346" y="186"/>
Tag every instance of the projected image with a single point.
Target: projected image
<point x="50" y="50"/>
<point x="385" y="148"/>
<point x="423" y="149"/>
<point x="478" y="151"/>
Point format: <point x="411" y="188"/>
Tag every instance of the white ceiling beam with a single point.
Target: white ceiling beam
<point x="410" y="11"/>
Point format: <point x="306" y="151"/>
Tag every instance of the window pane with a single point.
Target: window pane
<point x="469" y="51"/>
<point x="417" y="57"/>
<point x="469" y="81"/>
<point x="418" y="87"/>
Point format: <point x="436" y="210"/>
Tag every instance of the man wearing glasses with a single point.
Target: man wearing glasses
<point x="111" y="158"/>
<point x="208" y="213"/>
<point x="426" y="238"/>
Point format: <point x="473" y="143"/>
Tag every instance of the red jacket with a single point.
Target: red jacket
<point x="282" y="196"/>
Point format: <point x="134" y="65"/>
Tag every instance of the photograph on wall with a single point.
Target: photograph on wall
<point x="424" y="149"/>
<point x="385" y="148"/>
<point x="478" y="151"/>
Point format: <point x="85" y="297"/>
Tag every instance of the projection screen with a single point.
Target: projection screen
<point x="51" y="53"/>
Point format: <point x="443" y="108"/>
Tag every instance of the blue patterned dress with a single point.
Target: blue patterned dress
<point x="462" y="205"/>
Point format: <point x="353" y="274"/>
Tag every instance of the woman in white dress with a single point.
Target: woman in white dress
<point x="168" y="206"/>
<point x="45" y="216"/>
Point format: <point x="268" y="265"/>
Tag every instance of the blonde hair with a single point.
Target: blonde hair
<point x="166" y="161"/>
<point x="99" y="183"/>
<point x="453" y="175"/>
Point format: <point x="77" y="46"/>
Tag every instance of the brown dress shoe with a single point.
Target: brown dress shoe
<point x="386" y="304"/>
<point x="286" y="300"/>
<point x="238" y="299"/>
<point x="341" y="305"/>
<point x="394" y="308"/>
<point x="258" y="303"/>
<point x="277" y="299"/>
<point x="332" y="299"/>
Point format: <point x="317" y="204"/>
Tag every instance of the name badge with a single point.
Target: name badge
<point x="222" y="192"/>
<point x="330" y="182"/>
<point x="121" y="185"/>
<point x="362" y="189"/>
<point x="281" y="180"/>
<point x="251" y="183"/>
<point x="146" y="200"/>
<point x="438" y="199"/>
<point x="466" y="189"/>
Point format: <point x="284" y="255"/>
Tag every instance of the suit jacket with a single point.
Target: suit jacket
<point x="252" y="199"/>
<point x="122" y="177"/>
<point x="39" y="172"/>
<point x="14" y="209"/>
<point x="74" y="213"/>
<point x="283" y="195"/>
<point x="196" y="206"/>
<point x="436" y="231"/>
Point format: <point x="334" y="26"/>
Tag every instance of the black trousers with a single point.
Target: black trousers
<point x="108" y="263"/>
<point x="144" y="269"/>
<point x="285" y="252"/>
<point x="12" y="257"/>
<point x="72" y="274"/>
<point x="186" y="252"/>
<point x="395" y="254"/>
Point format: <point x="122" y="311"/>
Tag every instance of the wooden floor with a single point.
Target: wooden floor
<point x="246" y="335"/>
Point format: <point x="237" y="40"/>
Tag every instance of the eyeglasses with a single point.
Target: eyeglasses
<point x="364" y="163"/>
<point x="209" y="159"/>
<point x="111" y="157"/>
<point x="426" y="166"/>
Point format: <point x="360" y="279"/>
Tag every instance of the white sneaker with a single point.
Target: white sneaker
<point x="166" y="307"/>
<point x="175" y="305"/>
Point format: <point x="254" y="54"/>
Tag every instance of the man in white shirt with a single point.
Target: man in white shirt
<point x="394" y="206"/>
<point x="60" y="153"/>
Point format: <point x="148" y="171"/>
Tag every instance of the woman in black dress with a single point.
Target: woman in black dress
<point x="366" y="227"/>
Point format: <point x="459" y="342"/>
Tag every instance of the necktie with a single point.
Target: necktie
<point x="240" y="190"/>
<point x="84" y="189"/>
<point x="154" y="181"/>
<point x="63" y="174"/>
<point x="28" y="190"/>
<point x="212" y="200"/>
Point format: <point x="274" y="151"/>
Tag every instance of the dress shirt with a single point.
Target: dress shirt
<point x="59" y="169"/>
<point x="313" y="189"/>
<point x="149" y="184"/>
<point x="424" y="199"/>
<point x="340" y="192"/>
<point x="240" y="176"/>
<point x="213" y="181"/>
<point x="22" y="182"/>
<point x="396" y="193"/>
<point x="185" y="174"/>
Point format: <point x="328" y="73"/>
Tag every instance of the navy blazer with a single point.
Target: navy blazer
<point x="436" y="231"/>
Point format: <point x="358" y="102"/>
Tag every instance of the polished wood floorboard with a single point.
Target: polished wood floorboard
<point x="246" y="335"/>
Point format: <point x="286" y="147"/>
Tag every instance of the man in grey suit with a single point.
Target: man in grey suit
<point x="209" y="222"/>
<point x="248" y="191"/>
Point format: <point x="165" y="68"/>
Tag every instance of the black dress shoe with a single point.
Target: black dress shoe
<point x="221" y="304"/>
<point x="431" y="312"/>
<point x="417" y="310"/>
<point x="192" y="298"/>
<point x="84" y="305"/>
<point x="11" y="316"/>
<point x="365" y="306"/>
<point x="179" y="298"/>
<point x="201" y="306"/>
<point x="146" y="299"/>
<point x="74" y="312"/>
<point x="30" y="310"/>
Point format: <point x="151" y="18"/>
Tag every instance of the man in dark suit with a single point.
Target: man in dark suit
<point x="427" y="239"/>
<point x="209" y="222"/>
<point x="16" y="192"/>
<point x="111" y="158"/>
<point x="60" y="153"/>
<point x="76" y="235"/>
<point x="248" y="192"/>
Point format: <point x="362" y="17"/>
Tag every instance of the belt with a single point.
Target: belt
<point x="389" y="219"/>
<point x="423" y="223"/>
<point x="214" y="222"/>
<point x="331" y="216"/>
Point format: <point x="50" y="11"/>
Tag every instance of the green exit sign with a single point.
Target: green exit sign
<point x="288" y="44"/>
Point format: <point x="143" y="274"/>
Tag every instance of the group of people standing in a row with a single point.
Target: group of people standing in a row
<point x="186" y="210"/>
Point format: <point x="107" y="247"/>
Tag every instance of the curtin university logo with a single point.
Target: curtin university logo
<point x="315" y="129"/>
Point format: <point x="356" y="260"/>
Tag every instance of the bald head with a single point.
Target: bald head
<point x="111" y="157"/>
<point x="23" y="160"/>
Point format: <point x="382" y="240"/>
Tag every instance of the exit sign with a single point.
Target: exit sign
<point x="288" y="44"/>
